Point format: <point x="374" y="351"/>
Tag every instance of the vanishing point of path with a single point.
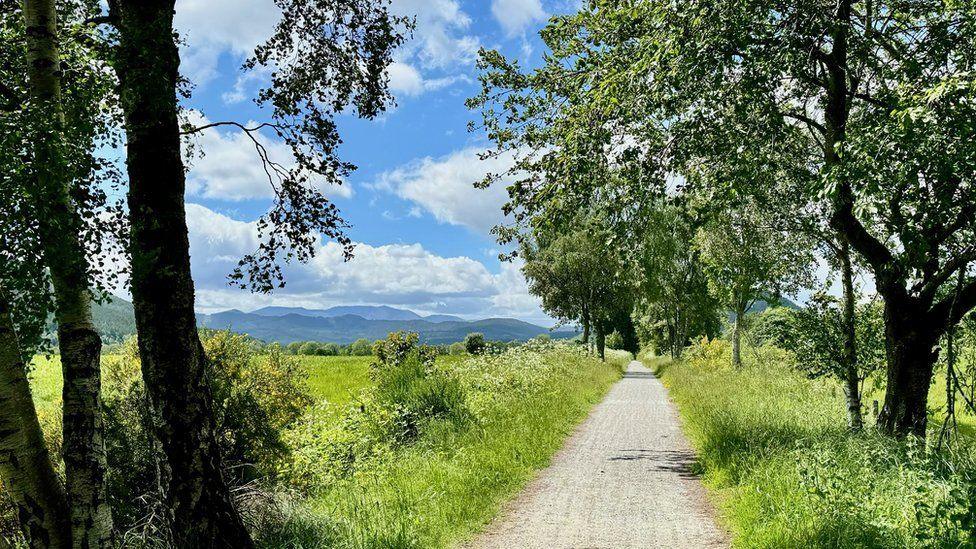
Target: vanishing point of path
<point x="623" y="479"/>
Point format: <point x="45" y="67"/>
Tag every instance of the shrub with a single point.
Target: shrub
<point x="474" y="343"/>
<point x="255" y="399"/>
<point x="772" y="326"/>
<point x="456" y="348"/>
<point x="361" y="347"/>
<point x="775" y="445"/>
<point x="615" y="340"/>
<point x="409" y="392"/>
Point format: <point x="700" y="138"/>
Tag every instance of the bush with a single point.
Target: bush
<point x="361" y="347"/>
<point x="409" y="392"/>
<point x="255" y="399"/>
<point x="775" y="445"/>
<point x="474" y="343"/>
<point x="615" y="340"/>
<point x="772" y="326"/>
<point x="456" y="348"/>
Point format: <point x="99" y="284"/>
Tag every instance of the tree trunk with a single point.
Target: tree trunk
<point x="911" y="352"/>
<point x="60" y="229"/>
<point x="601" y="342"/>
<point x="28" y="475"/>
<point x="672" y="338"/>
<point x="852" y="380"/>
<point x="737" y="337"/>
<point x="173" y="360"/>
<point x="586" y="333"/>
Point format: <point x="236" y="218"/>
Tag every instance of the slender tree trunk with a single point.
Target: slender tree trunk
<point x="60" y="229"/>
<point x="601" y="341"/>
<point x="672" y="341"/>
<point x="28" y="475"/>
<point x="910" y="344"/>
<point x="173" y="360"/>
<point x="852" y="380"/>
<point x="586" y="332"/>
<point x="682" y="336"/>
<point x="737" y="337"/>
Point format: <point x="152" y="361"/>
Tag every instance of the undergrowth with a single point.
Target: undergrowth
<point x="428" y="453"/>
<point x="774" y="448"/>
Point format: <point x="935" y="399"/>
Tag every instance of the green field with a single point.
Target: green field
<point x="352" y="482"/>
<point x="333" y="378"/>
<point x="776" y="454"/>
<point x="336" y="378"/>
<point x="441" y="488"/>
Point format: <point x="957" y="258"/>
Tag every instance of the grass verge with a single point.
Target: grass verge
<point x="453" y="478"/>
<point x="775" y="451"/>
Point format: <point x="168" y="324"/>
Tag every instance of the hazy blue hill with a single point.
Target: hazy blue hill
<point x="348" y="328"/>
<point x="443" y="318"/>
<point x="115" y="320"/>
<point x="369" y="312"/>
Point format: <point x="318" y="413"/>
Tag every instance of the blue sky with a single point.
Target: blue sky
<point x="421" y="228"/>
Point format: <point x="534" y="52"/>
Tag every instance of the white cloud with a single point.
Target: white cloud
<point x="440" y="39"/>
<point x="214" y="27"/>
<point x="513" y="298"/>
<point x="444" y="187"/>
<point x="440" y="44"/>
<point x="515" y="16"/>
<point x="407" y="80"/>
<point x="405" y="275"/>
<point x="229" y="168"/>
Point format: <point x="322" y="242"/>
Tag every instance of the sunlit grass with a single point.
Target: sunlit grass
<point x="775" y="452"/>
<point x="336" y="379"/>
<point x="453" y="479"/>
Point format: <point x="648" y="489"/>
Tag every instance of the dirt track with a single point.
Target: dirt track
<point x="623" y="479"/>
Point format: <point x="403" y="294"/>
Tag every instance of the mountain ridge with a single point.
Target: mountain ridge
<point x="115" y="319"/>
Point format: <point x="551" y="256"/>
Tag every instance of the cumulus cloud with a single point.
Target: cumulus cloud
<point x="210" y="28"/>
<point x="406" y="275"/>
<point x="444" y="187"/>
<point x="441" y="39"/>
<point x="441" y="43"/>
<point x="406" y="80"/>
<point x="227" y="166"/>
<point x="515" y="16"/>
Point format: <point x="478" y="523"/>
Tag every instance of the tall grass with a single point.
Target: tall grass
<point x="454" y="476"/>
<point x="774" y="448"/>
<point x="337" y="379"/>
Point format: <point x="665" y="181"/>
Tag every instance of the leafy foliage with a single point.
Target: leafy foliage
<point x="256" y="399"/>
<point x="474" y="343"/>
<point x="324" y="58"/>
<point x="816" y="337"/>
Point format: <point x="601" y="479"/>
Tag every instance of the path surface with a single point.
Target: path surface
<point x="622" y="480"/>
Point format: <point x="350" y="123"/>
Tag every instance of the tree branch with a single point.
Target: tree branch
<point x="874" y="251"/>
<point x="928" y="288"/>
<point x="238" y="125"/>
<point x="950" y="309"/>
<point x="807" y="120"/>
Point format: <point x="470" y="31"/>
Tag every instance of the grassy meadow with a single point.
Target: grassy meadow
<point x="416" y="462"/>
<point x="776" y="454"/>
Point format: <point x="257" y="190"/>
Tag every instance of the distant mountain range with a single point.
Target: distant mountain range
<point x="368" y="312"/>
<point x="343" y="324"/>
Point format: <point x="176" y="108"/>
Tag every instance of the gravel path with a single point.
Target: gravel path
<point x="622" y="480"/>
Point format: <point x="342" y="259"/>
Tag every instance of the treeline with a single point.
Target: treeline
<point x="81" y="81"/>
<point x="678" y="162"/>
<point x="474" y="343"/>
